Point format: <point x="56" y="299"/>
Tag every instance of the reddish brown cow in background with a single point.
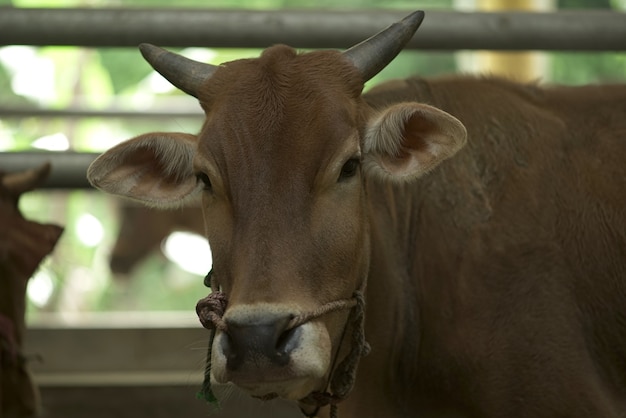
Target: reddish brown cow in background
<point x="143" y="229"/>
<point x="496" y="283"/>
<point x="23" y="244"/>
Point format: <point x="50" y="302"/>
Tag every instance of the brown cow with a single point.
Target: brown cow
<point x="496" y="284"/>
<point x="143" y="229"/>
<point x="23" y="244"/>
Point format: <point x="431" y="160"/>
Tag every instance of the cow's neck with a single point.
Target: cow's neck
<point x="392" y="324"/>
<point x="413" y="289"/>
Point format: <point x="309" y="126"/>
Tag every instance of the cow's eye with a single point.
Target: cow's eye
<point x="349" y="169"/>
<point x="204" y="179"/>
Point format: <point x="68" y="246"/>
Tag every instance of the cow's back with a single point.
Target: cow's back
<point x="518" y="246"/>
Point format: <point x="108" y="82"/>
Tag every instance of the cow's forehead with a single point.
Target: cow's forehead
<point x="281" y="67"/>
<point x="281" y="108"/>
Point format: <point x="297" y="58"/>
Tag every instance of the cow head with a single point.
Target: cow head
<point x="282" y="163"/>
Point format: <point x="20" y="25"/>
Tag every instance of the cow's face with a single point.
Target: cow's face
<point x="281" y="165"/>
<point x="279" y="160"/>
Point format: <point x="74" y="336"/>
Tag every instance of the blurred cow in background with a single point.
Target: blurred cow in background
<point x="23" y="244"/>
<point x="142" y="230"/>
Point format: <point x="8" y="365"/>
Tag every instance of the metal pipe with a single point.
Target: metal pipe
<point x="15" y="113"/>
<point x="591" y="30"/>
<point x="69" y="169"/>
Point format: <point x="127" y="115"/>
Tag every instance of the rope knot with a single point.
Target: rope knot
<point x="211" y="309"/>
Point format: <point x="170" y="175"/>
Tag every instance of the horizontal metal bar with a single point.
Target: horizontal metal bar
<point x="591" y="30"/>
<point x="6" y="113"/>
<point x="69" y="169"/>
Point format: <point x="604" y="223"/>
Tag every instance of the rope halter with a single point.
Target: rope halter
<point x="211" y="310"/>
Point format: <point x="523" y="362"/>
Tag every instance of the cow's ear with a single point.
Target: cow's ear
<point x="155" y="169"/>
<point x="407" y="140"/>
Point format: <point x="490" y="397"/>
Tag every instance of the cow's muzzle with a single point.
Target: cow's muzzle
<point x="263" y="343"/>
<point x="254" y="345"/>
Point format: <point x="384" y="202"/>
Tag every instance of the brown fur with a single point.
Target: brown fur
<point x="502" y="274"/>
<point x="248" y="148"/>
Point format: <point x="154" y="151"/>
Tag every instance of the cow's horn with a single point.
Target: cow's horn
<point x="184" y="73"/>
<point x="373" y="54"/>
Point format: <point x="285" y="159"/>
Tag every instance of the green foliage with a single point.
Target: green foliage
<point x="584" y="4"/>
<point x="578" y="68"/>
<point x="7" y="96"/>
<point x="360" y="4"/>
<point x="618" y="4"/>
<point x="125" y="67"/>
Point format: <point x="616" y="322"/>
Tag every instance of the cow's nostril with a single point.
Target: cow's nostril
<point x="258" y="342"/>
<point x="288" y="340"/>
